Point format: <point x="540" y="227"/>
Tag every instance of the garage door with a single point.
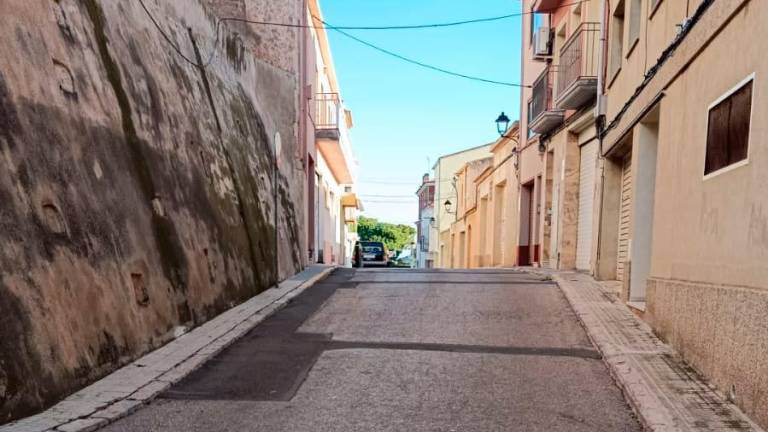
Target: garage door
<point x="625" y="218"/>
<point x="587" y="170"/>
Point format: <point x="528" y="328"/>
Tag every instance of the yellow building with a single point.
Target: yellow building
<point x="485" y="232"/>
<point x="445" y="200"/>
<point x="464" y="232"/>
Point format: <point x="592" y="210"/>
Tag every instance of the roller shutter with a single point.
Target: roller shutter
<point x="587" y="171"/>
<point x="625" y="218"/>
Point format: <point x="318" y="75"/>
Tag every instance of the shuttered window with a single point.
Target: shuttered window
<point x="728" y="130"/>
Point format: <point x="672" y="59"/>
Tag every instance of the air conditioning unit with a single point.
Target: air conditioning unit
<point x="542" y="42"/>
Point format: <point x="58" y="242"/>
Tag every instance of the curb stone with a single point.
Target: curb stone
<point x="129" y="388"/>
<point x="666" y="394"/>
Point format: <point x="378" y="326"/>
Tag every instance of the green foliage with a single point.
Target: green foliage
<point x="395" y="237"/>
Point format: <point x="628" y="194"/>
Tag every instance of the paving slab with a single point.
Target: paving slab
<point x="666" y="393"/>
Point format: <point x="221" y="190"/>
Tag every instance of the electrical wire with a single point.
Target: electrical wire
<point x="407" y="27"/>
<point x="340" y="30"/>
<point x="418" y="63"/>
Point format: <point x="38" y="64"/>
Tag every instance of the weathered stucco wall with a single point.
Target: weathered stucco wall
<point x="708" y="294"/>
<point x="137" y="192"/>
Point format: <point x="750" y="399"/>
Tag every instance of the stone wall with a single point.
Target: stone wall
<point x="138" y="193"/>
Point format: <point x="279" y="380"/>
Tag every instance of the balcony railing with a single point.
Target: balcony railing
<point x="542" y="115"/>
<point x="328" y="115"/>
<point x="578" y="68"/>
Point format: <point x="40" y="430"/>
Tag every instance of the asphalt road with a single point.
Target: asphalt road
<point x="404" y="350"/>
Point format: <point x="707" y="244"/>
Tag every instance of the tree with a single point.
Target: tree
<point x="394" y="236"/>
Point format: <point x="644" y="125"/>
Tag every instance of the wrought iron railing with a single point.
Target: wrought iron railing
<point x="579" y="57"/>
<point x="328" y="112"/>
<point x="541" y="100"/>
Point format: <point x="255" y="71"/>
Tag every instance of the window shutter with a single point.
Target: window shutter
<point x="717" y="137"/>
<point x="738" y="131"/>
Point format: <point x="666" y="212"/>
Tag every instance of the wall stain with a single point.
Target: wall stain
<point x="71" y="232"/>
<point x="167" y="239"/>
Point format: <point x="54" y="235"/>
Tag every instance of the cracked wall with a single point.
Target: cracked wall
<point x="138" y="192"/>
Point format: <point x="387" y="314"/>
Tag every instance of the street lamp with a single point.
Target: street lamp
<point x="447" y="206"/>
<point x="502" y="124"/>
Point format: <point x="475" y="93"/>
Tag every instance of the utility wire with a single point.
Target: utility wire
<point x="340" y="29"/>
<point x="418" y="63"/>
<point x="403" y="27"/>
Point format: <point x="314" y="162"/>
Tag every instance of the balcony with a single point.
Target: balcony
<point x="328" y="116"/>
<point x="331" y="124"/>
<point x="578" y="69"/>
<point x="542" y="115"/>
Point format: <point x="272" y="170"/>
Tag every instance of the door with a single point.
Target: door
<point x="587" y="169"/>
<point x="625" y="218"/>
<point x="500" y="215"/>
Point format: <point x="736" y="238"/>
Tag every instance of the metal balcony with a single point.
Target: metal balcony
<point x="542" y="114"/>
<point x="328" y="116"/>
<point x="577" y="71"/>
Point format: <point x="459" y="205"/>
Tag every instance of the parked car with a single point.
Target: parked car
<point x="375" y="254"/>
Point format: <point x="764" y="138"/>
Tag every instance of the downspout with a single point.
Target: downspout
<point x="276" y="189"/>
<point x="600" y="127"/>
<point x="302" y="110"/>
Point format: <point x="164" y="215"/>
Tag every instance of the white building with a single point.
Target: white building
<point x="335" y="203"/>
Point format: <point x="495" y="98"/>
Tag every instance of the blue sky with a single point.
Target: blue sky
<point x="406" y="117"/>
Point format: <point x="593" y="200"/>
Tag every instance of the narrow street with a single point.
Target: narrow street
<point x="404" y="350"/>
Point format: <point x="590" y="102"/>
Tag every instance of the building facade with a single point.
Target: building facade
<point x="649" y="176"/>
<point x="444" y="210"/>
<point x="426" y="194"/>
<point x="334" y="205"/>
<point x="682" y="210"/>
<point x="497" y="189"/>
<point x="561" y="61"/>
<point x="464" y="231"/>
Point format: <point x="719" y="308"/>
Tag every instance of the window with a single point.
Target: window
<point x="728" y="129"/>
<point x="634" y="22"/>
<point x="617" y="39"/>
<point x="537" y="20"/>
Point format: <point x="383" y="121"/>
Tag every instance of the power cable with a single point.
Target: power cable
<point x="404" y="27"/>
<point x="340" y="29"/>
<point x="418" y="63"/>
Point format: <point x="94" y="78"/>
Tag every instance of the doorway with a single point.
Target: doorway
<point x="527" y="209"/>
<point x="645" y="151"/>
<point x="499" y="221"/>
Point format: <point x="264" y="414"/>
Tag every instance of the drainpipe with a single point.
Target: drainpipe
<point x="600" y="106"/>
<point x="276" y="188"/>
<point x="600" y="127"/>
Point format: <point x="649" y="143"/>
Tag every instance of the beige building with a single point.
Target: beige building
<point x="683" y="222"/>
<point x="464" y="232"/>
<point x="496" y="191"/>
<point x="445" y="200"/>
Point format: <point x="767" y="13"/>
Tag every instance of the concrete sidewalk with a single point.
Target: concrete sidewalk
<point x="128" y="388"/>
<point x="666" y="394"/>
